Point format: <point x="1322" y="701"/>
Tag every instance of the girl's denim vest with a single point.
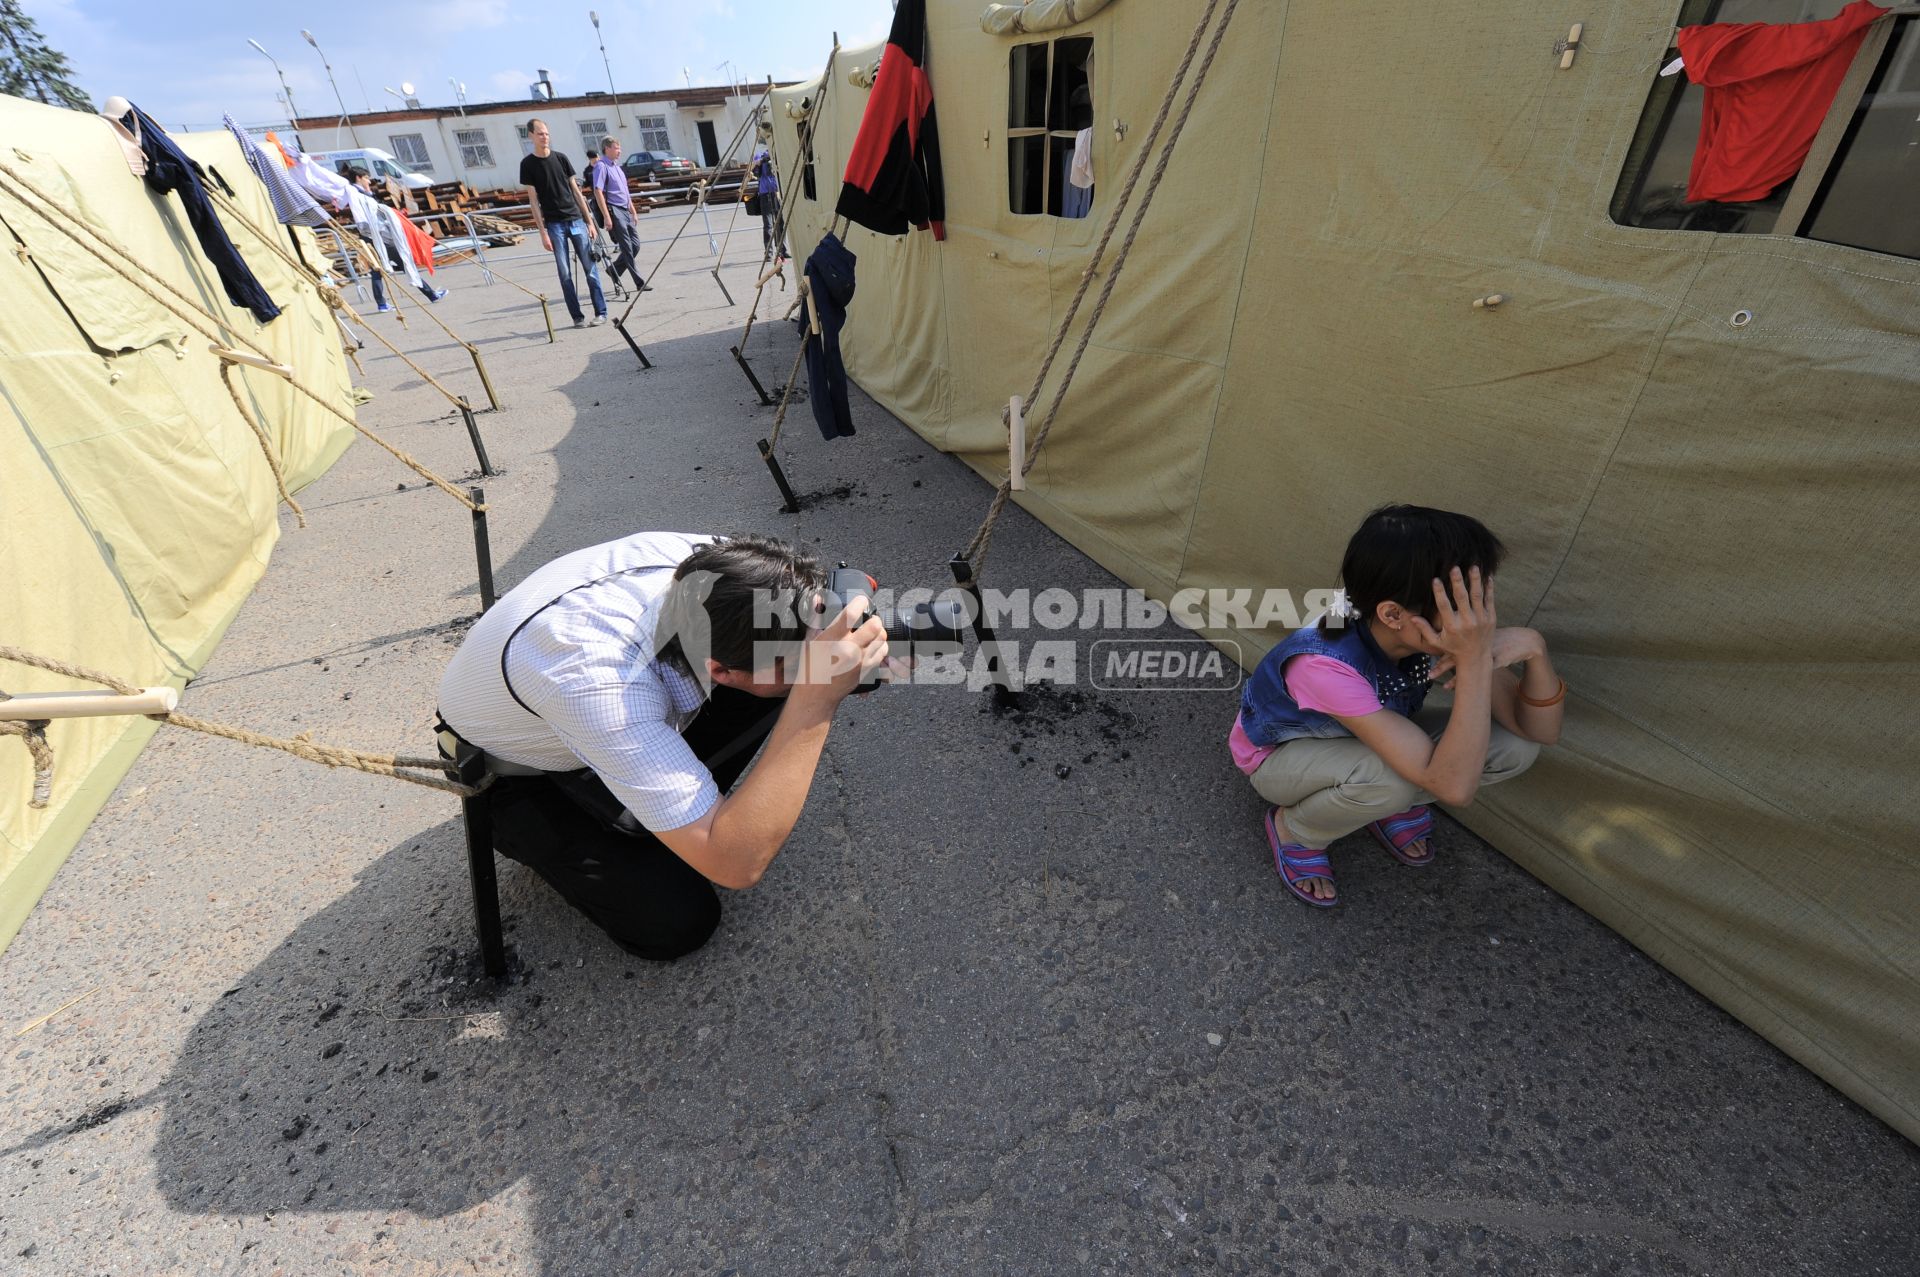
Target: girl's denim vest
<point x="1270" y="716"/>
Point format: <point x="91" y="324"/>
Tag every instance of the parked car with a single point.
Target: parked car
<point x="376" y="162"/>
<point x="655" y="166"/>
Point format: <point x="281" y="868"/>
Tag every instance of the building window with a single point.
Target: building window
<point x="474" y="149"/>
<point x="1859" y="192"/>
<point x="591" y="131"/>
<point x="411" y="150"/>
<point x="526" y="139"/>
<point x="1049" y="103"/>
<point x="653" y="133"/>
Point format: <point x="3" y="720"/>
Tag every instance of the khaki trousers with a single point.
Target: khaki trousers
<point x="1331" y="786"/>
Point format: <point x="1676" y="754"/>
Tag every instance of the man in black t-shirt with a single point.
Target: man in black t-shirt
<point x="558" y="205"/>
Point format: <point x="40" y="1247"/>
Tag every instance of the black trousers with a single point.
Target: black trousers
<point x="565" y="828"/>
<point x="769" y="219"/>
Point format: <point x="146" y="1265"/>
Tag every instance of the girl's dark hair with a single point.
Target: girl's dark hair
<point x="1400" y="549"/>
<point x="726" y="580"/>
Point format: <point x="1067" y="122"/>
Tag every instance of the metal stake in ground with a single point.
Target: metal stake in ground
<point x="779" y="477"/>
<point x="479" y="448"/>
<point x="477" y="811"/>
<point x="747" y="368"/>
<point x="482" y="547"/>
<point x="486" y="382"/>
<point x="621" y="325"/>
<point x="989" y="645"/>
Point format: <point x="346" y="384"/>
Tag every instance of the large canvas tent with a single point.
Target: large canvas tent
<point x="1701" y="448"/>
<point x="137" y="509"/>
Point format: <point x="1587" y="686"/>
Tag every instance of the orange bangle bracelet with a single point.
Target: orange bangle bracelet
<point x="1552" y="700"/>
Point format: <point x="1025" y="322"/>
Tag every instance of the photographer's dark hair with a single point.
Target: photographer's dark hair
<point x="736" y="572"/>
<point x="1400" y="549"/>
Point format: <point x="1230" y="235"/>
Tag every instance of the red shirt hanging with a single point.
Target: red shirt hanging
<point x="1768" y="86"/>
<point x="893" y="176"/>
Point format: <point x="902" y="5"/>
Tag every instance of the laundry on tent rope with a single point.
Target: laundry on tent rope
<point x="327" y="289"/>
<point x="208" y="325"/>
<point x="412" y="770"/>
<point x="793" y="374"/>
<point x="976" y="550"/>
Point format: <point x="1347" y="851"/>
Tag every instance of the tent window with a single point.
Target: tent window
<point x="1854" y="199"/>
<point x="1049" y="100"/>
<point x="411" y="150"/>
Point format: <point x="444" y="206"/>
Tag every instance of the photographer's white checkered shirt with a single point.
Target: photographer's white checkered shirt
<point x="585" y="668"/>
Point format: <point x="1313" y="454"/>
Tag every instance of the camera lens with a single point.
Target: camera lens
<point x="937" y="621"/>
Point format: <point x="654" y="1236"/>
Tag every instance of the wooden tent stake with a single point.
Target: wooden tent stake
<point x="250" y="360"/>
<point x="1016" y="444"/>
<point x="25" y="706"/>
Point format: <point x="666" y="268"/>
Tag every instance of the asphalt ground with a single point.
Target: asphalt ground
<point x="1023" y="994"/>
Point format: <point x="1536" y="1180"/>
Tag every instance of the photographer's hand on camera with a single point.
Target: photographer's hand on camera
<point x="836" y="660"/>
<point x="733" y="844"/>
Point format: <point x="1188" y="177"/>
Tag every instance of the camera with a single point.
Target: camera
<point x="937" y="623"/>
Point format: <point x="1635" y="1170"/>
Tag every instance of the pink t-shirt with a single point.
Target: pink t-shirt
<point x="1317" y="683"/>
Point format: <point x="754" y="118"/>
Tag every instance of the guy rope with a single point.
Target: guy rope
<point x="975" y="553"/>
<point x="415" y="771"/>
<point x="699" y="201"/>
<point x="803" y="152"/>
<point x="219" y="331"/>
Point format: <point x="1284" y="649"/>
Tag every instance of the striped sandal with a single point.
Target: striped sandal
<point x="1396" y="833"/>
<point x="1299" y="864"/>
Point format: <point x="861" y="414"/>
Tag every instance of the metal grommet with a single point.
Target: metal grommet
<point x="1741" y="318"/>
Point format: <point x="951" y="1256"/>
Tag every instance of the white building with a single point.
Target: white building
<point x="481" y="144"/>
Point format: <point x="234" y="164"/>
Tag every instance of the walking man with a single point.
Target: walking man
<point x="559" y="209"/>
<point x="616" y="210"/>
<point x="761" y="172"/>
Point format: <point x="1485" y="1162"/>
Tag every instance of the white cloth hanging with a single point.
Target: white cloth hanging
<point x="381" y="225"/>
<point x="322" y="183"/>
<point x="1081" y="174"/>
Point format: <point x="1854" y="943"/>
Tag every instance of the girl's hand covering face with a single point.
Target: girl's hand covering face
<point x="1466" y="620"/>
<point x="1511" y="646"/>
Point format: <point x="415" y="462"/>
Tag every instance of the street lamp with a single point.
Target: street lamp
<point x="308" y="37"/>
<point x="609" y="66"/>
<point x="293" y="113"/>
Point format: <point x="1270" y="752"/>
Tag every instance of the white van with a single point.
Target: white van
<point x="376" y="162"/>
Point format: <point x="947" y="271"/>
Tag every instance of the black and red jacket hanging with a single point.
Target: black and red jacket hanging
<point x="893" y="175"/>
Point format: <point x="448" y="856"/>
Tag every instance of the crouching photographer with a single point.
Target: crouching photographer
<point x="620" y="692"/>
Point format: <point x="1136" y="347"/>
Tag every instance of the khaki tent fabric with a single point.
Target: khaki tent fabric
<point x="1711" y="523"/>
<point x="136" y="507"/>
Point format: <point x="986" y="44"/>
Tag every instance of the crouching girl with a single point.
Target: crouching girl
<point x="1331" y="730"/>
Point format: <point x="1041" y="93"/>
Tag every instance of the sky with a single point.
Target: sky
<point x="186" y="62"/>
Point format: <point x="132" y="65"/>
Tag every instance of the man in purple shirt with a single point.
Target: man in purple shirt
<point x="616" y="209"/>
